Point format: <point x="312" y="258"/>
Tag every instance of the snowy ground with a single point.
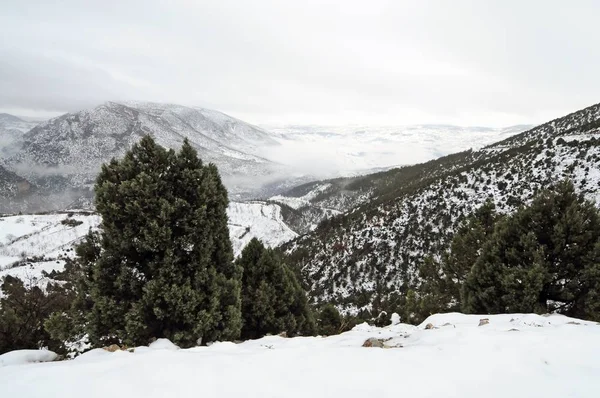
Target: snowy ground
<point x="512" y="356"/>
<point x="45" y="236"/>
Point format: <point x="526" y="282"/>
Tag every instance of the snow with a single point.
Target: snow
<point x="23" y="357"/>
<point x="163" y="344"/>
<point x="552" y="356"/>
<point x="40" y="243"/>
<point x="257" y="219"/>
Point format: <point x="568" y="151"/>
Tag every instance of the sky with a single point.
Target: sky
<point x="486" y="63"/>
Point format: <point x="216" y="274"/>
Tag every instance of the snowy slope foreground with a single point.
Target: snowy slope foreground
<point x="30" y="244"/>
<point x="515" y="355"/>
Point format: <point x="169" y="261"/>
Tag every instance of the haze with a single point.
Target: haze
<point x="491" y="63"/>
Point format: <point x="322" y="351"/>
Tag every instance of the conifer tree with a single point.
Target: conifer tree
<point x="272" y="299"/>
<point x="330" y="320"/>
<point x="163" y="265"/>
<point x="545" y="257"/>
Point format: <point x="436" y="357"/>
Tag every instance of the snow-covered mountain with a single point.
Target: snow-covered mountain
<point x="393" y="219"/>
<point x="12" y="130"/>
<point x="64" y="154"/>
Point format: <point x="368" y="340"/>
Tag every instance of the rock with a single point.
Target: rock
<point x="448" y="324"/>
<point x="429" y="326"/>
<point x="484" y="321"/>
<point x="373" y="342"/>
<point x="112" y="348"/>
<point x="573" y="323"/>
<point x="283" y="334"/>
<point x="513" y="330"/>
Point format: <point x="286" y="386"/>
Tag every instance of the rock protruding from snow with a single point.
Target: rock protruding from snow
<point x="23" y="357"/>
<point x="373" y="342"/>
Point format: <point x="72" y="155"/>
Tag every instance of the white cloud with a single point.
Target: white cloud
<point x="326" y="62"/>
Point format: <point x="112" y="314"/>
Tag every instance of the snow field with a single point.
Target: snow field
<point x="552" y="356"/>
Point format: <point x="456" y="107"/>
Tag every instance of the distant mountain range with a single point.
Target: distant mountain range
<point x="53" y="165"/>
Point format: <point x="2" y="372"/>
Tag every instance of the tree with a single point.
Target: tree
<point x="545" y="257"/>
<point x="163" y="263"/>
<point x="24" y="308"/>
<point x="272" y="299"/>
<point x="330" y="320"/>
<point x="442" y="280"/>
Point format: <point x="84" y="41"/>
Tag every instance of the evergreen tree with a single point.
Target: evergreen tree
<point x="23" y="311"/>
<point x="272" y="299"/>
<point x="163" y="265"/>
<point x="544" y="257"/>
<point x="330" y="320"/>
<point x="442" y="281"/>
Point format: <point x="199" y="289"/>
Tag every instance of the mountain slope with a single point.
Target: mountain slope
<point x="372" y="252"/>
<point x="12" y="129"/>
<point x="65" y="153"/>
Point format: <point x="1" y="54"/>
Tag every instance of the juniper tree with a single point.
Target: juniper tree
<point x="165" y="265"/>
<point x="544" y="257"/>
<point x="272" y="299"/>
<point x="442" y="280"/>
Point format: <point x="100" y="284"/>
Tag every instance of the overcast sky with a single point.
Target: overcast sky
<point x="492" y="63"/>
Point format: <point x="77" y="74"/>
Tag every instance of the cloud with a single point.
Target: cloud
<point x="324" y="62"/>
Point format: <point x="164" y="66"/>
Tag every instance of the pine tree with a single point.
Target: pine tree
<point x="442" y="280"/>
<point x="24" y="307"/>
<point x="272" y="299"/>
<point x="545" y="257"/>
<point x="330" y="320"/>
<point x="165" y="265"/>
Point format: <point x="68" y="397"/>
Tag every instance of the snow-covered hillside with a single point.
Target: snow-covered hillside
<point x="514" y="355"/>
<point x="257" y="220"/>
<point x="413" y="212"/>
<point x="37" y="243"/>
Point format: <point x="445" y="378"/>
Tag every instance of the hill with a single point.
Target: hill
<point x="372" y="251"/>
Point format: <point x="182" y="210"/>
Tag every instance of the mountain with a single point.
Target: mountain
<point x="12" y="129"/>
<point x="64" y="154"/>
<point x="392" y="219"/>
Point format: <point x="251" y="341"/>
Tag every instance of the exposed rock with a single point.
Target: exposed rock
<point x="112" y="348"/>
<point x="429" y="326"/>
<point x="373" y="342"/>
<point x="513" y="330"/>
<point x="283" y="334"/>
<point x="484" y="321"/>
<point x="573" y="323"/>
